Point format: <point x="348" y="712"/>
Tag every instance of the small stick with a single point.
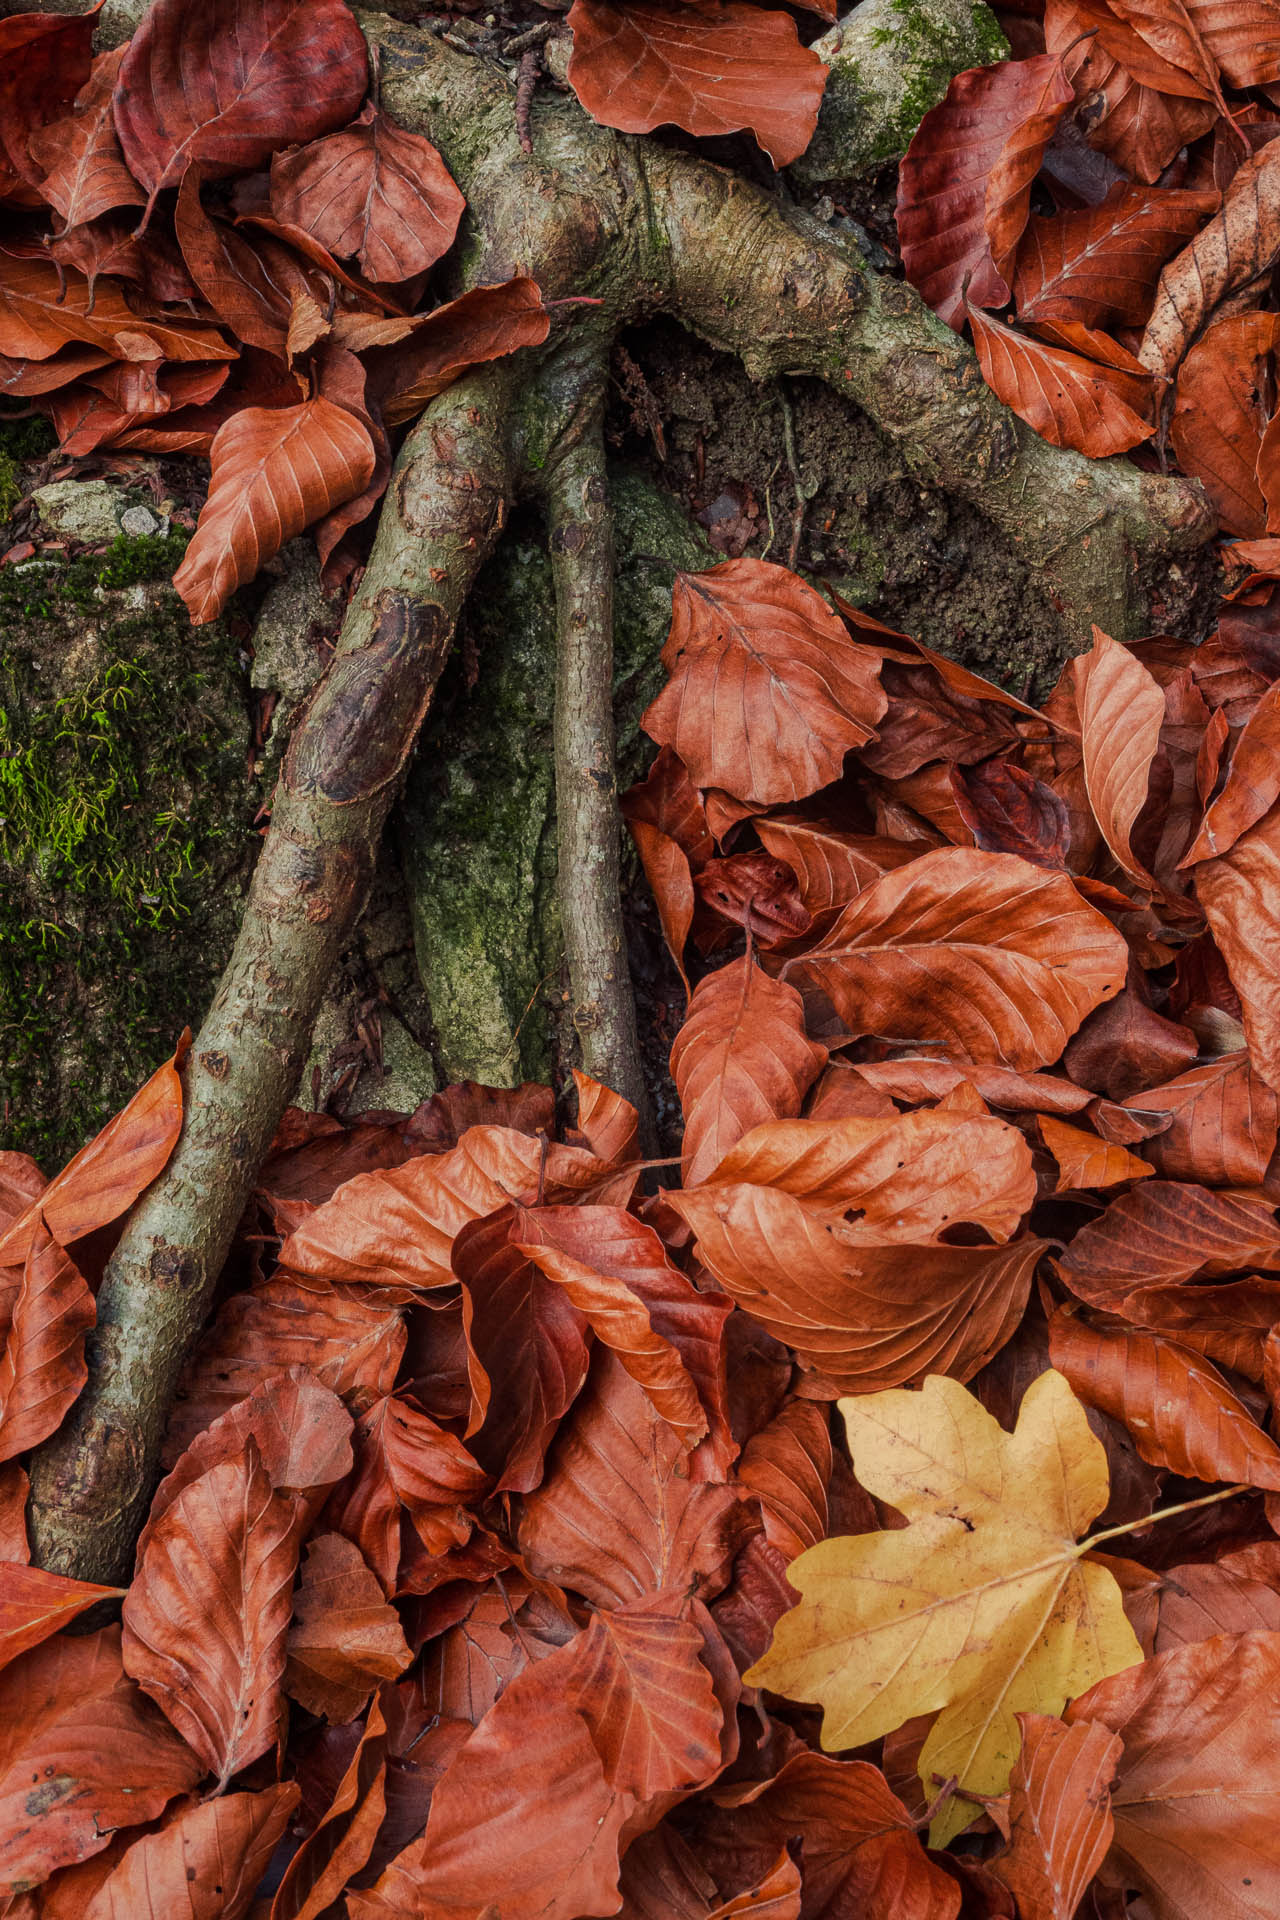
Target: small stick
<point x="580" y="532"/>
<point x="526" y="86"/>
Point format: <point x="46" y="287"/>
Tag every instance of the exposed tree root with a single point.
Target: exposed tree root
<point x="580" y="531"/>
<point x="642" y="230"/>
<point x="92" y="1483"/>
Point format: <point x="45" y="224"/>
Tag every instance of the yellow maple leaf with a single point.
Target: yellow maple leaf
<point x="981" y="1608"/>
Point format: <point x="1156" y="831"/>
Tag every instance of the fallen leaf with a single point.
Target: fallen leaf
<point x="1239" y="891"/>
<point x="711" y="69"/>
<point x="35" y="1604"/>
<point x="1121" y="710"/>
<point x="344" y="1639"/>
<point x="1219" y="416"/>
<point x="42" y="1360"/>
<point x="1085" y="1161"/>
<point x="741" y="1057"/>
<point x="344" y="1839"/>
<point x="1059" y="1814"/>
<point x="275" y="470"/>
<point x="1070" y="401"/>
<point x="1237" y="244"/>
<point x="994" y="958"/>
<point x="407" y="1463"/>
<point x="1163" y="1231"/>
<point x="206" y="1864"/>
<point x="1099" y="265"/>
<point x="206" y="1617"/>
<point x="83" y="168"/>
<point x="981" y="1608"/>
<point x="1224" y="1122"/>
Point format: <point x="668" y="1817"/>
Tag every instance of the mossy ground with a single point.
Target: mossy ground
<point x="124" y="832"/>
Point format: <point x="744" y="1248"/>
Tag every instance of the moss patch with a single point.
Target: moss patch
<point x="124" y="833"/>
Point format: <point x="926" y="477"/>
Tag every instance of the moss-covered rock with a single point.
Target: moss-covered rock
<point x="125" y="832"/>
<point x="478" y="843"/>
<point x="890" y="61"/>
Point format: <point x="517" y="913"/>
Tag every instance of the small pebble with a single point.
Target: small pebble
<point x="138" y="522"/>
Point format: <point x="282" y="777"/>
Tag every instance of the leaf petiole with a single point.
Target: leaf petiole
<point x="1161" y="1513"/>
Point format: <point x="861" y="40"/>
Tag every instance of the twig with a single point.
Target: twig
<point x="526" y="86"/>
<point x="580" y="532"/>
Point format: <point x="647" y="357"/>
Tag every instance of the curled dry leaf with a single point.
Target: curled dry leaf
<point x="767" y="691"/>
<point x="341" y="1844"/>
<point x="1251" y="787"/>
<point x="865" y="1316"/>
<point x="1239" y="243"/>
<point x="1240" y="893"/>
<point x="1224" y="1122"/>
<point x="275" y="470"/>
<point x="374" y="193"/>
<point x="42" y="1363"/>
<point x="1085" y="1161"/>
<point x="231" y="83"/>
<point x="405" y="1463"/>
<point x="994" y="958"/>
<point x="937" y="1617"/>
<point x="1179" y="1409"/>
<point x="1196" y="1812"/>
<point x="1059" y="1814"/>
<point x="344" y="1639"/>
<point x="1069" y="400"/>
<point x="206" y="1617"/>
<point x="1122" y="711"/>
<point x="1219" y="415"/>
<point x="709" y="68"/>
<point x="206" y="1864"/>
<point x="741" y="1057"/>
<point x="1164" y="1231"/>
<point x="964" y="186"/>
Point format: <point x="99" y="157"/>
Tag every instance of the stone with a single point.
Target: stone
<point x="138" y="522"/>
<point x="88" y="510"/>
<point x="890" y="61"/>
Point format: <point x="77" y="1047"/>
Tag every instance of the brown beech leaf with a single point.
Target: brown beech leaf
<point x="607" y="1124"/>
<point x="775" y="1897"/>
<point x="344" y="1639"/>
<point x="231" y="83"/>
<point x="302" y="1431"/>
<point x="84" y="173"/>
<point x="865" y="1316"/>
<point x="1126" y="1045"/>
<point x="1179" y="1409"/>
<point x="917" y="1078"/>
<point x="206" y="1864"/>
<point x="1220" y="413"/>
<point x="351" y="1344"/>
<point x="767" y="692"/>
<point x="1197" y="1814"/>
<point x="1251" y="787"/>
<point x="373" y="193"/>
<point x="405" y="1462"/>
<point x="1059" y="1814"/>
<point x="485" y="323"/>
<point x="527" y="1349"/>
<point x="740" y="1058"/>
<point x="1009" y="811"/>
<point x="42" y="1363"/>
<point x="106" y="1177"/>
<point x="34" y="1604"/>
<point x="206" y="1617"/>
<point x="1138" y="109"/>
<point x="1085" y="1161"/>
<point x="69" y="1714"/>
<point x="1229" y="1323"/>
<point x="1162" y="1231"/>
<point x="994" y="958"/>
<point x="14" y="1490"/>
<point x="1235" y="246"/>
<point x="1122" y="710"/>
<point x="1070" y="401"/>
<point x="397" y="1227"/>
<point x="860" y="1844"/>
<point x="1242" y="36"/>
<point x="830" y="865"/>
<point x="43" y="308"/>
<point x="1236" y="1594"/>
<point x="251" y="282"/>
<point x="964" y="186"/>
<point x="617" y="1515"/>
<point x="909" y="1178"/>
<point x="275" y="470"/>
<point x="44" y="60"/>
<point x="787" y="1465"/>
<point x="1239" y="891"/>
<point x="1224" y="1123"/>
<point x="340" y="1846"/>
<point x="709" y="68"/>
<point x="1099" y="265"/>
<point x="615" y="1271"/>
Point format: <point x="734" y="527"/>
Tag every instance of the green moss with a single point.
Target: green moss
<point x="122" y="740"/>
<point x="27" y="439"/>
<point x="929" y="56"/>
<point x="991" y="43"/>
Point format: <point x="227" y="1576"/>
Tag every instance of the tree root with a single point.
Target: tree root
<point x="641" y="230"/>
<point x="92" y="1483"/>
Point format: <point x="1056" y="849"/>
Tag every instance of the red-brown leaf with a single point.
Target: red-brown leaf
<point x="344" y="1640"/>
<point x="485" y="323"/>
<point x="1240" y="894"/>
<point x="1161" y="1231"/>
<point x="1179" y="1409"/>
<point x="1224" y="1123"/>
<point x="341" y="1844"/>
<point x="231" y="82"/>
<point x="767" y="691"/>
<point x="1070" y="401"/>
<point x="34" y="1604"/>
<point x="86" y="174"/>
<point x="206" y="1864"/>
<point x="69" y="1714"/>
<point x="1099" y="265"/>
<point x="709" y="66"/>
<point x="964" y="186"/>
<point x="1122" y="710"/>
<point x="275" y="470"/>
<point x="405" y="1463"/>
<point x="1059" y="1813"/>
<point x="42" y="1363"/>
<point x="373" y="193"/>
<point x="44" y="60"/>
<point x="1220" y="412"/>
<point x="740" y="1058"/>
